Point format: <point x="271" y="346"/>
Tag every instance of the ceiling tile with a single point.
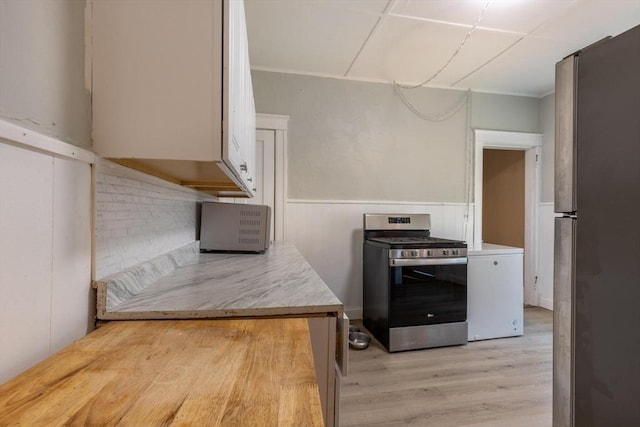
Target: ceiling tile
<point x="370" y="6"/>
<point x="592" y="20"/>
<point x="410" y="51"/>
<point x="319" y="37"/>
<point x="528" y="68"/>
<point x="520" y="16"/>
<point x="322" y="37"/>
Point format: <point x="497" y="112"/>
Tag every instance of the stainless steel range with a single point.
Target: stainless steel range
<point x="414" y="285"/>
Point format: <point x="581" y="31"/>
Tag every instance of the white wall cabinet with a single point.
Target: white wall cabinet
<point x="172" y="92"/>
<point x="495" y="295"/>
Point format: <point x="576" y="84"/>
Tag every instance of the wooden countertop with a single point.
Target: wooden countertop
<point x="185" y="372"/>
<point x="279" y="282"/>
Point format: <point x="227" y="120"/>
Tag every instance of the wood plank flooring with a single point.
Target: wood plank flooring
<point x="498" y="383"/>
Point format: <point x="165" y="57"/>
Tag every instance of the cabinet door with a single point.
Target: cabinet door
<point x="495" y="296"/>
<point x="157" y="79"/>
<point x="238" y="148"/>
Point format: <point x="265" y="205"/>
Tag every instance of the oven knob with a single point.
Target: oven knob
<point x="403" y="253"/>
<point x="414" y="253"/>
<point x="429" y="252"/>
<point x="445" y="252"/>
<point x="454" y="252"/>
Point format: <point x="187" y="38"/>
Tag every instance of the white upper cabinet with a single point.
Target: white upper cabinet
<point x="239" y="117"/>
<point x="172" y="93"/>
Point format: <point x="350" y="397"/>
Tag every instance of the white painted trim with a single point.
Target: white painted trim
<point x="546" y="303"/>
<point x="348" y="78"/>
<point x="507" y="140"/>
<point x="547" y="93"/>
<point x="546" y="203"/>
<point x="379" y="81"/>
<point x="272" y="122"/>
<point x="15" y="134"/>
<point x="531" y="143"/>
<point x="280" y="185"/>
<point x="279" y="124"/>
<point x="373" y="202"/>
<point x="531" y="217"/>
<point x="94" y="221"/>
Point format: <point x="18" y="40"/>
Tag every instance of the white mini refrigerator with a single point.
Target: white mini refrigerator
<point x="495" y="295"/>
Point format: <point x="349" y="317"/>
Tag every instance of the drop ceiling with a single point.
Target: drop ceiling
<point x="512" y="50"/>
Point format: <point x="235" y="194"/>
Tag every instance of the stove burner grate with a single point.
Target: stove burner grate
<point x="407" y="240"/>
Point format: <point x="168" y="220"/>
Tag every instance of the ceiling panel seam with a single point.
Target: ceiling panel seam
<point x="456" y="24"/>
<point x="499" y="54"/>
<point x="451" y="58"/>
<point x="374" y="30"/>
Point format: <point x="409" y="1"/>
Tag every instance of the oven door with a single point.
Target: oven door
<point x="427" y="291"/>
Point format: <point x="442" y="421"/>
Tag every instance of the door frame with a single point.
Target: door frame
<point x="531" y="144"/>
<point x="280" y="125"/>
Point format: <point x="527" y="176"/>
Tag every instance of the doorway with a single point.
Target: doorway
<point x="503" y="197"/>
<point x="271" y="148"/>
<point x="530" y="144"/>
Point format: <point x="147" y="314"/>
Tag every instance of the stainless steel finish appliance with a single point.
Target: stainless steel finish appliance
<point x="234" y="227"/>
<point x="414" y="285"/>
<point x="596" y="342"/>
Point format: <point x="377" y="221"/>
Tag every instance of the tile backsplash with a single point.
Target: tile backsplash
<point x="139" y="217"/>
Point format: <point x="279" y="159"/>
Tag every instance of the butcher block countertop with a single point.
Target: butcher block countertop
<point x="278" y="282"/>
<point x="243" y="372"/>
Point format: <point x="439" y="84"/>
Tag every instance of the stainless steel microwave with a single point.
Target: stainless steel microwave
<point x="234" y="227"/>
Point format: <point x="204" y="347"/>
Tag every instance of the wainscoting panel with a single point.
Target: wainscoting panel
<point x="45" y="255"/>
<point x="544" y="287"/>
<point x="329" y="235"/>
<point x="72" y="299"/>
<point x="26" y="223"/>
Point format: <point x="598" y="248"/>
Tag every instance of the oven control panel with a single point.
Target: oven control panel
<point x="428" y="253"/>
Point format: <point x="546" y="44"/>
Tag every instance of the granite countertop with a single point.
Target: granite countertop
<point x="279" y="282"/>
<point x="493" y="249"/>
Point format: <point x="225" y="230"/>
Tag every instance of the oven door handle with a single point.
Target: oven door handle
<point x="414" y="262"/>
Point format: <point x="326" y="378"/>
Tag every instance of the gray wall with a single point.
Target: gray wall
<point x="42" y="68"/>
<point x="505" y="112"/>
<point x="547" y="126"/>
<point x="352" y="140"/>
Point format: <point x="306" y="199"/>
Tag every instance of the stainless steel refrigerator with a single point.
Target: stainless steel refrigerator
<point x="596" y="342"/>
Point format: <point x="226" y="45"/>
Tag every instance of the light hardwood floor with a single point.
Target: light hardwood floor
<point x="494" y="383"/>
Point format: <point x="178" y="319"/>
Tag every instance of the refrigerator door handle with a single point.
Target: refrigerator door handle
<point x="563" y="321"/>
<point x="565" y="146"/>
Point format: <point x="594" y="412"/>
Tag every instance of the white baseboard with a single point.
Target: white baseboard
<point x="546" y="303"/>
